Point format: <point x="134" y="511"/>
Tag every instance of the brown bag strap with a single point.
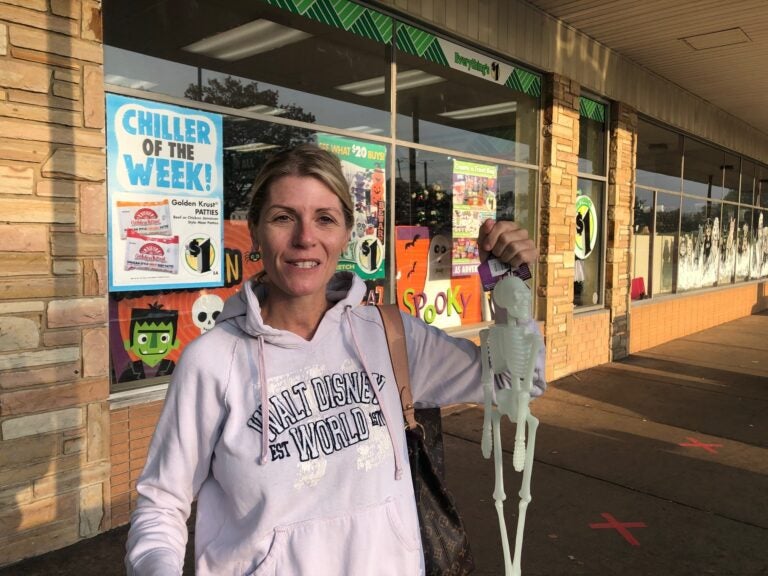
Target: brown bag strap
<point x="398" y="355"/>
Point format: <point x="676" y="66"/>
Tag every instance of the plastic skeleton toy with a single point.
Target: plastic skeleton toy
<point x="511" y="348"/>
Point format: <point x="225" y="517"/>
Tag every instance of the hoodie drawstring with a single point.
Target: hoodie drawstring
<point x="264" y="403"/>
<point x="398" y="457"/>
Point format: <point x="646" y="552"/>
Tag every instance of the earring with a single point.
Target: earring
<point x="254" y="255"/>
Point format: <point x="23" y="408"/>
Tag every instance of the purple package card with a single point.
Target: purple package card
<point x="493" y="270"/>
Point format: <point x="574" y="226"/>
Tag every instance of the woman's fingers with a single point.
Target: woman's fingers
<point x="508" y="241"/>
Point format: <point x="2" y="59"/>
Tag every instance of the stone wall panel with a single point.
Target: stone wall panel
<point x="37" y="210"/>
<point x="24" y="238"/>
<point x="25" y="76"/>
<point x="76" y="312"/>
<point x="52" y="398"/>
<point x="80" y="165"/>
<point x="16" y="179"/>
<point x="19" y="288"/>
<point x="72" y="48"/>
<point x="23" y="378"/>
<point x="18" y="333"/>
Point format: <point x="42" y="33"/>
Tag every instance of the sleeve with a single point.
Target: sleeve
<point x="177" y="464"/>
<point x="446" y="370"/>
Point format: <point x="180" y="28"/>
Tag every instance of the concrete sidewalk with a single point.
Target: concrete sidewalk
<point x="672" y="441"/>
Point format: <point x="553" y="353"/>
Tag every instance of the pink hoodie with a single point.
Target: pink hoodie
<point x="324" y="488"/>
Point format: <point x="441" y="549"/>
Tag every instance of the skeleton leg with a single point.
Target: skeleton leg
<point x="525" y="490"/>
<point x="518" y="456"/>
<point x="487" y="382"/>
<point x="498" y="492"/>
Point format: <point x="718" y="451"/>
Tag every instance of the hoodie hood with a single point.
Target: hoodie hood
<point x="244" y="309"/>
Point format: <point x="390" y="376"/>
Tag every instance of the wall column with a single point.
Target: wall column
<point x="54" y="417"/>
<point x="559" y="158"/>
<point x="621" y="198"/>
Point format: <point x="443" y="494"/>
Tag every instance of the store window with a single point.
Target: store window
<point x="715" y="235"/>
<point x="659" y="157"/>
<point x="590" y="204"/>
<point x="255" y="57"/>
<point x="643" y="225"/>
<point x="703" y="169"/>
<point x="728" y="243"/>
<point x="699" y="244"/>
<point x="440" y="202"/>
<point x="744" y="241"/>
<point x="750" y="183"/>
<point x="268" y="75"/>
<point x="666" y="248"/>
<point x="762" y="187"/>
<point x="453" y="97"/>
<point x="732" y="176"/>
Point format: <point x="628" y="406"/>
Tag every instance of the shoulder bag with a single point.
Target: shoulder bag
<point x="444" y="540"/>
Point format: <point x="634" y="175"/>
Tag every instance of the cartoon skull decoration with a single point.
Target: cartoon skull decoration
<point x="205" y="310"/>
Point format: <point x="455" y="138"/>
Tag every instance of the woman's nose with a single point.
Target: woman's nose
<point x="304" y="234"/>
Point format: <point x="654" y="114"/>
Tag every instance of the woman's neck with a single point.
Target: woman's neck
<point x="300" y="316"/>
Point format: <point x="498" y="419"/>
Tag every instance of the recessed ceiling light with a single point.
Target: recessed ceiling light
<point x="405" y="80"/>
<point x="247" y="40"/>
<point x="252" y="147"/>
<point x="480" y="111"/>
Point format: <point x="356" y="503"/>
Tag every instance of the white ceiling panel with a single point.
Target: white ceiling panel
<point x="730" y="69"/>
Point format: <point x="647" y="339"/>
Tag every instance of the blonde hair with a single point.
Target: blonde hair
<point x="306" y="160"/>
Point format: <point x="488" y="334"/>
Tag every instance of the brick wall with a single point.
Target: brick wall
<point x="54" y="419"/>
<point x="588" y="340"/>
<point x="655" y="322"/>
<point x="131" y="429"/>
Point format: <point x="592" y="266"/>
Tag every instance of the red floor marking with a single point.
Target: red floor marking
<point x="696" y="444"/>
<point x="621" y="527"/>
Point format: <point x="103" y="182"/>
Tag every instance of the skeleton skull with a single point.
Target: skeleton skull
<point x="205" y="310"/>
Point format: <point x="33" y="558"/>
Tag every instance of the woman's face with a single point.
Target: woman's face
<point x="301" y="233"/>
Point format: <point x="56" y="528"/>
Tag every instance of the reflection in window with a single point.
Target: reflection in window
<point x="749" y="183"/>
<point x="703" y="172"/>
<point x="247" y="146"/>
<point x="641" y="243"/>
<point x="760" y="266"/>
<point x="728" y="239"/>
<point x="466" y="113"/>
<point x="762" y="181"/>
<point x="592" y="135"/>
<point x="731" y="177"/>
<point x="665" y="245"/>
<point x="319" y="65"/>
<point x="659" y="157"/>
<point x="743" y="243"/>
<point x="142" y="72"/>
<point x="699" y="252"/>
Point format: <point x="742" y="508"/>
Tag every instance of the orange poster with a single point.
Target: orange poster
<point x="425" y="286"/>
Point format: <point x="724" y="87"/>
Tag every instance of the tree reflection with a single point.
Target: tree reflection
<point x="241" y="165"/>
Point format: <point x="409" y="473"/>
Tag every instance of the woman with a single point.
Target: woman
<point x="284" y="420"/>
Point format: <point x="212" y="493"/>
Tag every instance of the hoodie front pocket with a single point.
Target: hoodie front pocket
<point x="267" y="565"/>
<point x="373" y="541"/>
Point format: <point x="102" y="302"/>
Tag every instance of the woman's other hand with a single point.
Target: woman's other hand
<point x="508" y="241"/>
